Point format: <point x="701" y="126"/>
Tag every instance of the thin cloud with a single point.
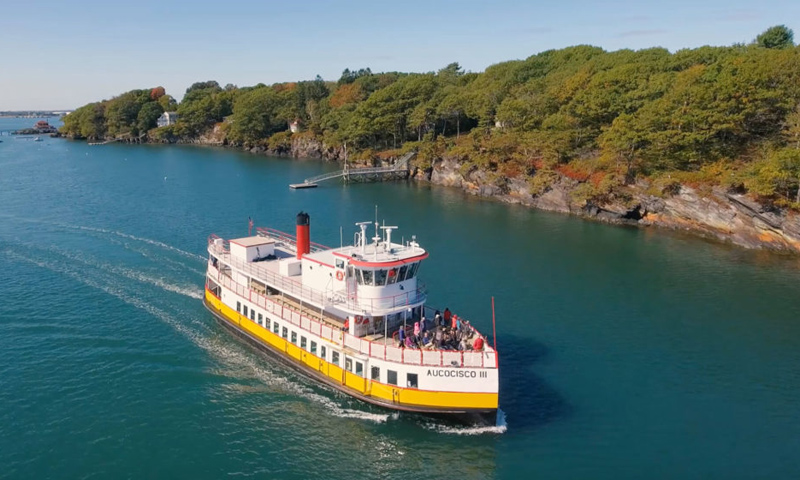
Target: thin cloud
<point x="637" y="18"/>
<point x="641" y="33"/>
<point x="741" y="16"/>
<point x="536" y="30"/>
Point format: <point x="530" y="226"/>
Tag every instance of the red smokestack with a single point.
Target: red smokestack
<point x="303" y="235"/>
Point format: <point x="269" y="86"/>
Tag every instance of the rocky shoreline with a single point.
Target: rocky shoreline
<point x="715" y="214"/>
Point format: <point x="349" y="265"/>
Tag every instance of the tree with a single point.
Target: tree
<point x="148" y="115"/>
<point x="254" y="116"/>
<point x="778" y="36"/>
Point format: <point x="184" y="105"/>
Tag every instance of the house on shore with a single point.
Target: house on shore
<point x="167" y="118"/>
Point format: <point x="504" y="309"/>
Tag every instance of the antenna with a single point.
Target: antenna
<point x="363" y="239"/>
<point x="341" y="237"/>
<point x="388" y="230"/>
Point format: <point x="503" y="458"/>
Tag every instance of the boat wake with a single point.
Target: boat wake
<point x="497" y="429"/>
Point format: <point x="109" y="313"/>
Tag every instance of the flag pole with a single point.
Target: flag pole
<point x="494" y="329"/>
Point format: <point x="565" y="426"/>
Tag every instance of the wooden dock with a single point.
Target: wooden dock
<point x="297" y="186"/>
<point x="397" y="171"/>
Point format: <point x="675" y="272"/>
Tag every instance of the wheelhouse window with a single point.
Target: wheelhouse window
<point x="380" y="277"/>
<point x="391" y="377"/>
<point x="392" y="277"/>
<point x="367" y="277"/>
<point x="401" y="273"/>
<point x="339" y="263"/>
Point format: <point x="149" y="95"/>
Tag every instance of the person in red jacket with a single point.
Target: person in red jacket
<point x="477" y="345"/>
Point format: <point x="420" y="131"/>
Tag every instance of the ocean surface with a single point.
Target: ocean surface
<point x="625" y="353"/>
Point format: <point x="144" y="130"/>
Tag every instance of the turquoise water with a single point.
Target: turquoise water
<point x="625" y="353"/>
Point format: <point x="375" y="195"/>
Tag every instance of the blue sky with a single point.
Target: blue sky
<point x="63" y="54"/>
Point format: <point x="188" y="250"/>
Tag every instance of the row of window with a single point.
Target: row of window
<point x="350" y="364"/>
<point x="381" y="277"/>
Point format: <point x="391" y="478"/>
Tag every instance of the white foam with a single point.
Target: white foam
<point x="497" y="429"/>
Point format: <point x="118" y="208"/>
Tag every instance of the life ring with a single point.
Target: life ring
<point x="339" y="275"/>
<point x="361" y="320"/>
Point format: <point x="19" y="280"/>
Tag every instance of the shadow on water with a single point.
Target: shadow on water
<point x="527" y="400"/>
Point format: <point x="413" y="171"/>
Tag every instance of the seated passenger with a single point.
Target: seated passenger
<point x="427" y="344"/>
<point x="410" y="342"/>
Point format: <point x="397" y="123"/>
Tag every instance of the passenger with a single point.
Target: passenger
<point x="401" y="336"/>
<point x="447" y="316"/>
<point x="437" y="318"/>
<point x="346" y="326"/>
<point x="477" y="345"/>
<point x="438" y="337"/>
<point x="454" y="322"/>
<point x="427" y="343"/>
<point x="410" y="342"/>
<point x="416" y="329"/>
<point x="423" y="324"/>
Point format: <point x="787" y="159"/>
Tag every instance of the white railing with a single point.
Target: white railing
<point x="317" y="297"/>
<point x="287" y="313"/>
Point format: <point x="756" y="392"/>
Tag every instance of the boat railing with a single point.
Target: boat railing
<point x="373" y="349"/>
<point x="296" y="289"/>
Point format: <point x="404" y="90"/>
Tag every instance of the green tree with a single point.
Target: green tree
<point x="778" y="36"/>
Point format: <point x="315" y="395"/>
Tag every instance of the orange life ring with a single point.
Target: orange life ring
<point x="361" y="320"/>
<point x="339" y="275"/>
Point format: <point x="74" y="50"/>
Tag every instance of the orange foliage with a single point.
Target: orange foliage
<point x="281" y="87"/>
<point x="570" y="171"/>
<point x="348" y="93"/>
<point x="596" y="178"/>
<point x="157" y="93"/>
<point x="510" y="170"/>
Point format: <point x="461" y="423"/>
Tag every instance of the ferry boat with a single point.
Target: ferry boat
<point x="336" y="315"/>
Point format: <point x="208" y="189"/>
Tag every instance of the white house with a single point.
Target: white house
<point x="167" y="118"/>
<point x="294" y="127"/>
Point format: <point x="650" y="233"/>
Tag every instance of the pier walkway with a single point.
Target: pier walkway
<point x="369" y="174"/>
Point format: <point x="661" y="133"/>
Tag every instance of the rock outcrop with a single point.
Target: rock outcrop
<point x="719" y="215"/>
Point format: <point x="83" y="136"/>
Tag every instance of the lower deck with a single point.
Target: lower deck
<point x="370" y="380"/>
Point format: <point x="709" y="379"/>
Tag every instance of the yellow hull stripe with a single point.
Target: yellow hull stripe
<point x="389" y="393"/>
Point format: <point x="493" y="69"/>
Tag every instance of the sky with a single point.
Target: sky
<point x="60" y="55"/>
